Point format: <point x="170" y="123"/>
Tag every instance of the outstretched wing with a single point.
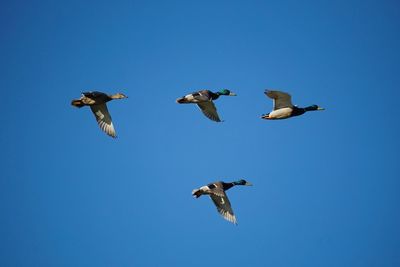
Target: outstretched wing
<point x="209" y="110"/>
<point x="281" y="99"/>
<point x="104" y="119"/>
<point x="223" y="205"/>
<point x="94" y="94"/>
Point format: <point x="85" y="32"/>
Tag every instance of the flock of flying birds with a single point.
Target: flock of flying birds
<point x="204" y="99"/>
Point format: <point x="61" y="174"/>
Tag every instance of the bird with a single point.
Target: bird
<point x="204" y="100"/>
<point x="97" y="103"/>
<point x="216" y="191"/>
<point x="283" y="107"/>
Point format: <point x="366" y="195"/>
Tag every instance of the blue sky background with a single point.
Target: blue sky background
<point x="326" y="184"/>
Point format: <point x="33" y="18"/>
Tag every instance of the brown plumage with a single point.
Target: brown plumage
<point x="216" y="191"/>
<point x="97" y="103"/>
<point x="204" y="99"/>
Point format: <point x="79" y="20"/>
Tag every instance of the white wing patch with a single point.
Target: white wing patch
<point x="99" y="115"/>
<point x="104" y="119"/>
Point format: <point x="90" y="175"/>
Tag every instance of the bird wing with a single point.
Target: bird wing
<point x="202" y="95"/>
<point x="94" y="94"/>
<point x="96" y="97"/>
<point x="103" y="119"/>
<point x="195" y="97"/>
<point x="281" y="99"/>
<point x="209" y="110"/>
<point x="223" y="205"/>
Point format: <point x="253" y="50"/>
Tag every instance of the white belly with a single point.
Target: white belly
<point x="281" y="113"/>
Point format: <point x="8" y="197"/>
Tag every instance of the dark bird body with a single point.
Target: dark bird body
<point x="216" y="191"/>
<point x="97" y="103"/>
<point x="204" y="100"/>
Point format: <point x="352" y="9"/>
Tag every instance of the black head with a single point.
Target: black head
<point x="313" y="107"/>
<point x="242" y="182"/>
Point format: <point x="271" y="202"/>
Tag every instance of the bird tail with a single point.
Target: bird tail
<point x="182" y="100"/>
<point x="265" y="116"/>
<point x="196" y="193"/>
<point x="77" y="103"/>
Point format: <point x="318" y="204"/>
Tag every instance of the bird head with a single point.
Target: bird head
<point x="226" y="92"/>
<point x="314" y="107"/>
<point x="118" y="96"/>
<point x="242" y="182"/>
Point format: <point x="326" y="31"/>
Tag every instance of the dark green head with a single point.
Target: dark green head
<point x="242" y="182"/>
<point x="313" y="107"/>
<point x="226" y="92"/>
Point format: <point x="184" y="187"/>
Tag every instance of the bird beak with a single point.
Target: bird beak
<point x="247" y="183"/>
<point x="320" y="108"/>
<point x="232" y="94"/>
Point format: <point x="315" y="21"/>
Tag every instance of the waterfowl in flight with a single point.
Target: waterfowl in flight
<point x="204" y="100"/>
<point x="283" y="107"/>
<point x="97" y="103"/>
<point x="216" y="191"/>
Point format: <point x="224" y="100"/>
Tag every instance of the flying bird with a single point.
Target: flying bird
<point x="97" y="103"/>
<point x="216" y="191"/>
<point x="283" y="107"/>
<point x="204" y="100"/>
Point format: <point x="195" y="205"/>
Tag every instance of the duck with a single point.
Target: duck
<point x="97" y="103"/>
<point x="216" y="191"/>
<point x="204" y="100"/>
<point x="283" y="107"/>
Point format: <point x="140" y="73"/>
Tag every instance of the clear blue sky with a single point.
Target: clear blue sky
<point x="326" y="184"/>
